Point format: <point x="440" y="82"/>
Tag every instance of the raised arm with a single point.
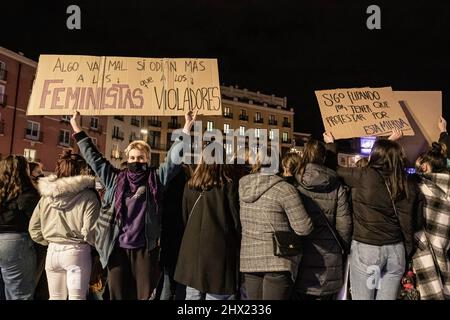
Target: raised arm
<point x="94" y="158"/>
<point x="443" y="137"/>
<point x="172" y="164"/>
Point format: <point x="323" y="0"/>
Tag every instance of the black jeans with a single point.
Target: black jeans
<point x="268" y="285"/>
<point x="132" y="273"/>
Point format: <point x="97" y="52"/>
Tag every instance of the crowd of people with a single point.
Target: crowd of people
<point x="206" y="231"/>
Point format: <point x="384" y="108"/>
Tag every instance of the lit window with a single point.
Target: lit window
<point x="209" y="125"/>
<point x="242" y="130"/>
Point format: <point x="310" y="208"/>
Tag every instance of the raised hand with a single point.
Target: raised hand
<point x="442" y="124"/>
<point x="396" y="134"/>
<point x="75" y="122"/>
<point x="190" y="118"/>
<point x="328" y="137"/>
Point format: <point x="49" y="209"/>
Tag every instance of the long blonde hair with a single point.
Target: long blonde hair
<point x="14" y="177"/>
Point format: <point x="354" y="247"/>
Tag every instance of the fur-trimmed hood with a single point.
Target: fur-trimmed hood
<point x="65" y="191"/>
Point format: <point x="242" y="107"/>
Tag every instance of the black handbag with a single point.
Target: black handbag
<point x="286" y="244"/>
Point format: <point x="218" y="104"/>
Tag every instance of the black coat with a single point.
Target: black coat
<point x="321" y="268"/>
<point x="172" y="225"/>
<point x="374" y="218"/>
<point x="15" y="214"/>
<point x="209" y="255"/>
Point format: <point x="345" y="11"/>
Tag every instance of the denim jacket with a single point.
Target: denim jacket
<point x="107" y="228"/>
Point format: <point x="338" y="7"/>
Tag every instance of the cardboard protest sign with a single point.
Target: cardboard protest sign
<point x="423" y="109"/>
<point x="124" y="86"/>
<point x="360" y="112"/>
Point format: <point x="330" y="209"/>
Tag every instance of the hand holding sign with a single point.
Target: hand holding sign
<point x="190" y="118"/>
<point x="328" y="137"/>
<point x="396" y="134"/>
<point x="442" y="125"/>
<point x="75" y="122"/>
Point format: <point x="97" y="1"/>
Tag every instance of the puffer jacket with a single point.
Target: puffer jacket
<point x="67" y="211"/>
<point x="321" y="268"/>
<point x="269" y="203"/>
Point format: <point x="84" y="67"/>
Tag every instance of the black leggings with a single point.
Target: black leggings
<point x="268" y="285"/>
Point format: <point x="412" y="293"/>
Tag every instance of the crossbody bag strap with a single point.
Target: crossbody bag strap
<point x="327" y="222"/>
<point x="332" y="229"/>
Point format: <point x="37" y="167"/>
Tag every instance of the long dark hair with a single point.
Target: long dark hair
<point x="388" y="158"/>
<point x="210" y="174"/>
<point x="313" y="152"/>
<point x="14" y="177"/>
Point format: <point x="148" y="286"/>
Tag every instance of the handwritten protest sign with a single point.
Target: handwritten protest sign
<point x="124" y="86"/>
<point x="360" y="112"/>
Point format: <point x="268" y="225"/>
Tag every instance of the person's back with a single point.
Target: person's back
<point x="268" y="204"/>
<point x="64" y="220"/>
<point x="386" y="208"/>
<point x="208" y="260"/>
<point x="18" y="198"/>
<point x="434" y="239"/>
<point x="321" y="268"/>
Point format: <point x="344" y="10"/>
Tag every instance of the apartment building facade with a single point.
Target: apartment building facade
<point x="38" y="138"/>
<point x="242" y="110"/>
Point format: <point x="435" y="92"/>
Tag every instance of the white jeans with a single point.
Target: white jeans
<point x="68" y="268"/>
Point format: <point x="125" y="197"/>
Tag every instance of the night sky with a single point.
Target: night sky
<point x="288" y="48"/>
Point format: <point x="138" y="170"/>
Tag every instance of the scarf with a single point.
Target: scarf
<point x="131" y="181"/>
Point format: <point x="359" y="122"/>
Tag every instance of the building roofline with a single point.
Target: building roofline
<point x="257" y="107"/>
<point x="18" y="57"/>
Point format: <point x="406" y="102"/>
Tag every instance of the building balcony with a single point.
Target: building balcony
<point x="135" y="122"/>
<point x="34" y="135"/>
<point x="243" y="117"/>
<point x="3" y="100"/>
<point x="286" y="124"/>
<point x="120" y="118"/>
<point x="260" y="120"/>
<point x="154" y="123"/>
<point x="228" y="115"/>
<point x="3" y="74"/>
<point x="174" y="125"/>
<point x="2" y="127"/>
<point x="118" y="135"/>
<point x="273" y="122"/>
<point x="286" y="141"/>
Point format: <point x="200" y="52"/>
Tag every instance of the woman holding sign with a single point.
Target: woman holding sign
<point x="128" y="228"/>
<point x="386" y="209"/>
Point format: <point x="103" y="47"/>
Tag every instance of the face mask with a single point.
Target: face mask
<point x="137" y="166"/>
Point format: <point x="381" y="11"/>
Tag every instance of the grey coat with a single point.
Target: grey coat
<point x="321" y="268"/>
<point x="266" y="201"/>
